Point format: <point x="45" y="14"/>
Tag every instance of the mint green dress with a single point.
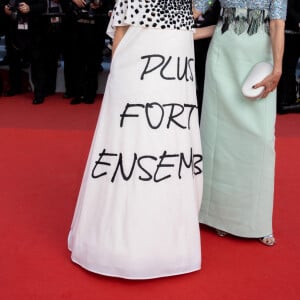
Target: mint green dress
<point x="237" y="134"/>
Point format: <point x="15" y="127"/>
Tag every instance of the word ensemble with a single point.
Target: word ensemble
<point x="146" y="167"/>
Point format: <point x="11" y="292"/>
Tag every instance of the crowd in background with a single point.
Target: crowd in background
<point x="39" y="32"/>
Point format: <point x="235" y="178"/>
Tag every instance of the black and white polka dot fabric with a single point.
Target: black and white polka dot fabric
<point x="161" y="14"/>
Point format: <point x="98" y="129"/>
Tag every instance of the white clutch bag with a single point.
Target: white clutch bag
<point x="259" y="71"/>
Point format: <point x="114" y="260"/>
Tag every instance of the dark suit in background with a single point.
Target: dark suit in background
<point x="50" y="51"/>
<point x="24" y="39"/>
<point x="82" y="60"/>
<point x="286" y="91"/>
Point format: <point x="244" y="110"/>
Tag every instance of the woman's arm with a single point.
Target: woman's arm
<point x="204" y="32"/>
<point x="277" y="40"/>
<point x="208" y="22"/>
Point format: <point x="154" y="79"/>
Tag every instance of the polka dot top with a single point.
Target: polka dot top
<point x="161" y="14"/>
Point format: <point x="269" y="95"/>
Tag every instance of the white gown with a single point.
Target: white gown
<point x="137" y="212"/>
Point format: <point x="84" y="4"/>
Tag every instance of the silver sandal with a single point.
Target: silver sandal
<point x="268" y="240"/>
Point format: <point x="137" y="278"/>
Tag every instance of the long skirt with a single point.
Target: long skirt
<point x="237" y="138"/>
<point x="137" y="212"/>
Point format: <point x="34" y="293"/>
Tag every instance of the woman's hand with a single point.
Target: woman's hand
<point x="269" y="83"/>
<point x="277" y="40"/>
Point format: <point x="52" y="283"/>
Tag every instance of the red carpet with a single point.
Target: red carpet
<point x="43" y="153"/>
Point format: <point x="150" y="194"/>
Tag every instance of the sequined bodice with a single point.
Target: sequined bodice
<point x="277" y="8"/>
